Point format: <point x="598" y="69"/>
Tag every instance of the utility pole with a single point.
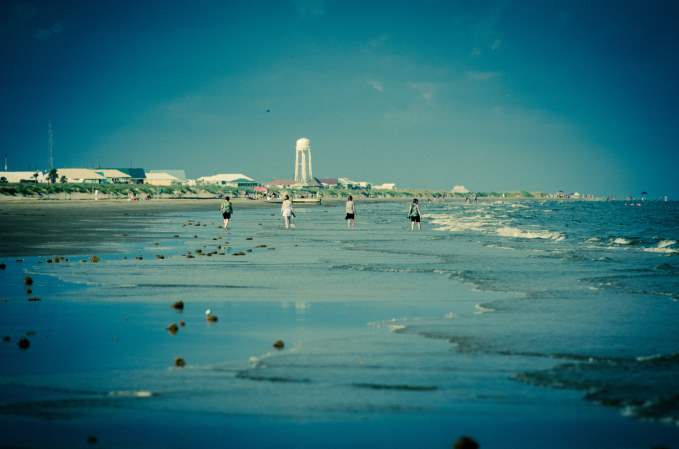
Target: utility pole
<point x="50" y="144"/>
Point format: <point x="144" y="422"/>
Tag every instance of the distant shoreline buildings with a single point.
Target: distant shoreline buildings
<point x="303" y="179"/>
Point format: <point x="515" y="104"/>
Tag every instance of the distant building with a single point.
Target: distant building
<point x="280" y="183"/>
<point x="161" y="179"/>
<point x="112" y="175"/>
<point x="460" y="189"/>
<point x="328" y="182"/>
<point x="238" y="180"/>
<point x="179" y="174"/>
<point x="23" y="176"/>
<point x="385" y="186"/>
<point x="80" y="176"/>
<point x="349" y="184"/>
<point x="137" y="175"/>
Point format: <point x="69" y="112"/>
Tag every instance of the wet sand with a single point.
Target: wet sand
<point x="42" y="228"/>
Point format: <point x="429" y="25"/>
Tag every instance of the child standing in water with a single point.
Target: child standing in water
<point x="351" y="212"/>
<point x="226" y="209"/>
<point x="287" y="212"/>
<point x="414" y="215"/>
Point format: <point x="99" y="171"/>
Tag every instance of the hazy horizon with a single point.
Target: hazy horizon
<point x="496" y="95"/>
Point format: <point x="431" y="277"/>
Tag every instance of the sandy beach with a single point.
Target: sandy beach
<point x="505" y="322"/>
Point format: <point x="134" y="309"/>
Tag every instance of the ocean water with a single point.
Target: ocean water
<point x="531" y="324"/>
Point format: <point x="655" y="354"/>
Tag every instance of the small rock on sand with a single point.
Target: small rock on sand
<point x="139" y="258"/>
<point x="465" y="442"/>
<point x="248" y="238"/>
<point x="179" y="362"/>
<point x="160" y="256"/>
<point x="173" y="329"/>
<point x="28" y="280"/>
<point x="94" y="259"/>
<point x="279" y="344"/>
<point x="24" y="343"/>
<point x="178" y="305"/>
<point x="211" y="317"/>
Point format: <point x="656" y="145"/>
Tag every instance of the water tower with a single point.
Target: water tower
<point x="303" y="173"/>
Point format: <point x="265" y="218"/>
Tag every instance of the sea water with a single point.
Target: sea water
<point x="531" y="324"/>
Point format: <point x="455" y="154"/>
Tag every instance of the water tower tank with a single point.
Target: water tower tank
<point x="303" y="144"/>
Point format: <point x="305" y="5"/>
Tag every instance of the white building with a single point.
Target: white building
<point x="238" y="180"/>
<point x="80" y="175"/>
<point x="176" y="173"/>
<point x="349" y="184"/>
<point x="460" y="189"/>
<point x="23" y="176"/>
<point x="162" y="179"/>
<point x="385" y="186"/>
<point x="112" y="175"/>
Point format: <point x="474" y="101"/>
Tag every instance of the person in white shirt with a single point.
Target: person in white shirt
<point x="287" y="212"/>
<point x="351" y="212"/>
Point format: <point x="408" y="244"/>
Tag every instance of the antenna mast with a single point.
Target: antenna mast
<point x="50" y="144"/>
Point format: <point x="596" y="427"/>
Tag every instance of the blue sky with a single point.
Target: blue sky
<point x="495" y="95"/>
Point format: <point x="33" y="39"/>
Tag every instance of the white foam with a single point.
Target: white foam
<point x="621" y="241"/>
<point x="666" y="243"/>
<point x="131" y="394"/>
<point x="450" y="316"/>
<point x="518" y="233"/>
<point x="482" y="309"/>
<point x="661" y="250"/>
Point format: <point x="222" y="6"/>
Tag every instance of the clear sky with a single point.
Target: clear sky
<point x="498" y="95"/>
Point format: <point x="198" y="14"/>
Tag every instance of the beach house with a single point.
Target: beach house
<point x="238" y="180"/>
<point x="22" y="176"/>
<point x="80" y="176"/>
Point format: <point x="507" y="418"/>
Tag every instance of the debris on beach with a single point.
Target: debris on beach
<point x="179" y="362"/>
<point x="279" y="344"/>
<point x="211" y="317"/>
<point x="28" y="280"/>
<point x="94" y="259"/>
<point x="465" y="442"/>
<point x="178" y="305"/>
<point x="24" y="343"/>
<point x="173" y="329"/>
